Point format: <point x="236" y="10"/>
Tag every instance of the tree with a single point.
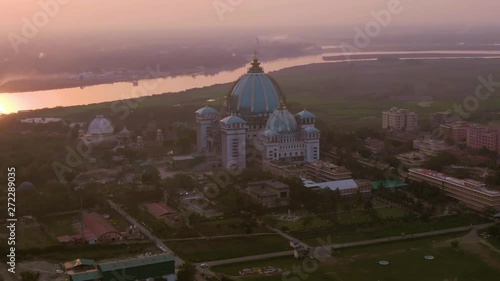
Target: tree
<point x="439" y="161"/>
<point x="151" y="176"/>
<point x="365" y="153"/>
<point x="30" y="276"/>
<point x="392" y="161"/>
<point x="187" y="272"/>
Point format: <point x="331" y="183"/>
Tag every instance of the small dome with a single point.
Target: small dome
<point x="206" y="110"/>
<point x="282" y="121"/>
<point x="26" y="186"/>
<point x="312" y="130"/>
<point x="100" y="126"/>
<point x="233" y="120"/>
<point x="270" y="133"/>
<point x="305" y="114"/>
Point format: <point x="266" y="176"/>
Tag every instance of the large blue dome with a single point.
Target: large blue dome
<point x="254" y="93"/>
<point x="282" y="121"/>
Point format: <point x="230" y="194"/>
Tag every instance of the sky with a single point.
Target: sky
<point x="122" y="15"/>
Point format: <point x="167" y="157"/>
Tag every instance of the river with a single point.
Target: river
<point x="13" y="102"/>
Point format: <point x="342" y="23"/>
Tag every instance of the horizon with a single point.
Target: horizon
<point x="218" y="15"/>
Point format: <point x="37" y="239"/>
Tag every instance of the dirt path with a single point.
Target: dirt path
<point x="472" y="244"/>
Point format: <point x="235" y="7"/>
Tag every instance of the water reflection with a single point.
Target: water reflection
<point x="12" y="102"/>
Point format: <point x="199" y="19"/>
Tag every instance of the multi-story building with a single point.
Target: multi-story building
<point x="472" y="193"/>
<point x="284" y="169"/>
<point x="480" y="136"/>
<point x="374" y="145"/>
<point x="400" y="120"/>
<point x="269" y="193"/>
<point x="456" y="131"/>
<point x="439" y="118"/>
<point x="412" y="159"/>
<point x="324" y="171"/>
<point x="431" y="147"/>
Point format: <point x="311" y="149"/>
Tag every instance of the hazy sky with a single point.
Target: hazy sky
<point x="106" y="15"/>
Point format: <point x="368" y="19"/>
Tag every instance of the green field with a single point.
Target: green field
<point x="60" y="225"/>
<point x="385" y="213"/>
<point x="406" y="262"/>
<point x="229" y="226"/>
<point x="218" y="249"/>
<point x="344" y="218"/>
<point x="29" y="238"/>
<point x="373" y="230"/>
<point x="303" y="224"/>
<point x="284" y="263"/>
<point x="60" y="253"/>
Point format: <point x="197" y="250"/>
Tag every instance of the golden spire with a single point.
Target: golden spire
<point x="255" y="68"/>
<point x="282" y="104"/>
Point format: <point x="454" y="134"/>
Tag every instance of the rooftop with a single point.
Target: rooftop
<point x="136" y="262"/>
<point x="271" y="183"/>
<point x="469" y="183"/>
<point x="183" y="158"/>
<point x="333" y="185"/>
<point x="98" y="226"/>
<point x="93" y="274"/>
<point x="79" y="262"/>
<point x="160" y="209"/>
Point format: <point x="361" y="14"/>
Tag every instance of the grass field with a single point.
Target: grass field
<point x="98" y="252"/>
<point x="29" y="238"/>
<point x="449" y="264"/>
<point x="385" y="213"/>
<point x="303" y="224"/>
<point x="60" y="225"/>
<point x="406" y="262"/>
<point x="228" y="226"/>
<point x="217" y="249"/>
<point x="285" y="263"/>
<point x="349" y="233"/>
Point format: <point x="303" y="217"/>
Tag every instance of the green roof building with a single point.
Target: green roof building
<point x="130" y="269"/>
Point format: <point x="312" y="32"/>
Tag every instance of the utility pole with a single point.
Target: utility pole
<point x="81" y="218"/>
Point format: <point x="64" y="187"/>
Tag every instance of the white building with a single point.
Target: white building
<point x="472" y="193"/>
<point x="400" y="120"/>
<point x="255" y="123"/>
<point x="346" y="187"/>
<point x="100" y="131"/>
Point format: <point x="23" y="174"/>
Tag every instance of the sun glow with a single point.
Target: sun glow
<point x="4" y="108"/>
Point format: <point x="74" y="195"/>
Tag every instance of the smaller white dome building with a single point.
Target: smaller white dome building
<point x="100" y="131"/>
<point x="289" y="138"/>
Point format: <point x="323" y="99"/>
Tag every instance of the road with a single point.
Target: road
<point x="408" y="236"/>
<point x="144" y="231"/>
<point x="150" y="236"/>
<point x="220" y="237"/>
<point x="343" y="245"/>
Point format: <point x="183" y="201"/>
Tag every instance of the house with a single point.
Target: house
<point x="269" y="193"/>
